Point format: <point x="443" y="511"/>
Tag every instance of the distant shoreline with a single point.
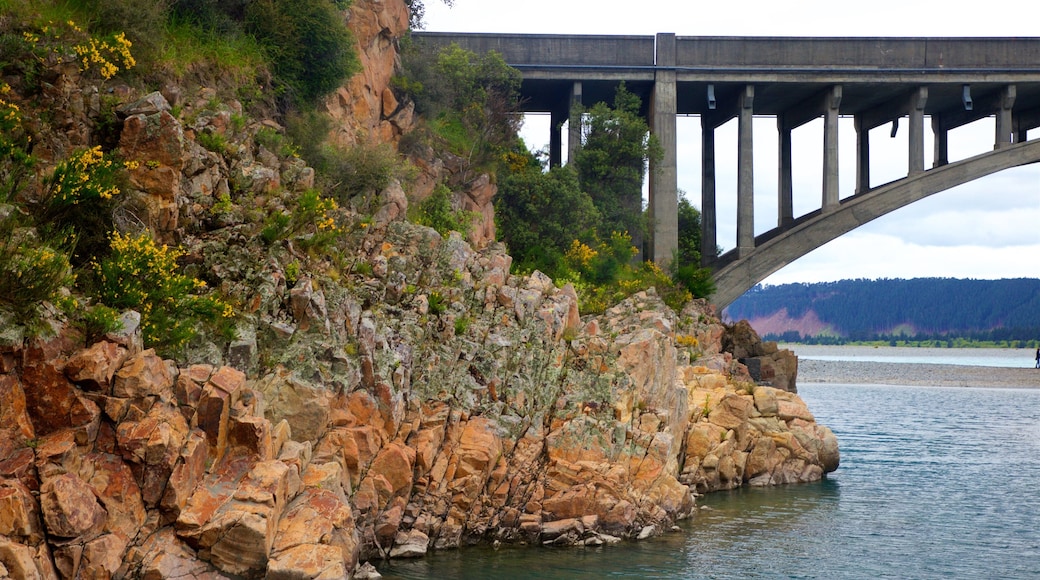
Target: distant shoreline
<point x="914" y="374"/>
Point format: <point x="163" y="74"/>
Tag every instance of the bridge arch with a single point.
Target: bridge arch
<point x="737" y="272"/>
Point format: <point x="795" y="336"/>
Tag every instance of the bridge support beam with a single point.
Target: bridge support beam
<point x="664" y="181"/>
<point x="745" y="173"/>
<point x="862" y="154"/>
<point x="574" y="123"/>
<point x="785" y="191"/>
<point x="556" y="119"/>
<point x="941" y="142"/>
<point x="832" y="102"/>
<point x="918" y="100"/>
<point x="709" y="235"/>
<point x="1004" y="134"/>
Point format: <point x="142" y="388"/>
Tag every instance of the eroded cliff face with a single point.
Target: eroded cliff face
<point x="424" y="398"/>
<point x="536" y="428"/>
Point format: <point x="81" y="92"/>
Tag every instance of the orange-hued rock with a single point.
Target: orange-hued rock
<point x="19" y="513"/>
<point x="152" y="444"/>
<point x="93" y="368"/>
<point x="70" y="510"/>
<point x="54" y="403"/>
<point x="15" y="421"/>
<point x="143" y="375"/>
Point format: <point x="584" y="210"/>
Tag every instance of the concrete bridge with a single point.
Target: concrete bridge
<point x="876" y="81"/>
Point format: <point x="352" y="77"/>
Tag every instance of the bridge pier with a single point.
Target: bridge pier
<point x="745" y="173"/>
<point x="574" y="123"/>
<point x="709" y="235"/>
<point x="1004" y="134"/>
<point x="664" y="182"/>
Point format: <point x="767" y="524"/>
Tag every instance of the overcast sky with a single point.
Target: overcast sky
<point x="989" y="228"/>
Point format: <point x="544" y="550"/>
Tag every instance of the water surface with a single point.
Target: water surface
<point x="934" y="483"/>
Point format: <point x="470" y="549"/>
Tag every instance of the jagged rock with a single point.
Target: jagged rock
<point x="394" y="204"/>
<point x="143" y="375"/>
<point x="19" y="513"/>
<point x="305" y="407"/>
<point x="150" y="104"/>
<point x="93" y="368"/>
<point x="70" y="510"/>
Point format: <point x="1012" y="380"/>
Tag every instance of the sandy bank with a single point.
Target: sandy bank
<point x="863" y="372"/>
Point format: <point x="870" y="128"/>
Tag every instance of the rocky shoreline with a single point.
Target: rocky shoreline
<point x="915" y="374"/>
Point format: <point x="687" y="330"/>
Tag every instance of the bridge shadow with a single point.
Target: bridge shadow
<point x="736" y="273"/>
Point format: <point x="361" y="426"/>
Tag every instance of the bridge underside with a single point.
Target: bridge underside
<point x="782" y="245"/>
<point x="876" y="81"/>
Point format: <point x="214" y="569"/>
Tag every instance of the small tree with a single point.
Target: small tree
<point x="615" y="151"/>
<point x="686" y="267"/>
<point x="469" y="100"/>
<point x="540" y="214"/>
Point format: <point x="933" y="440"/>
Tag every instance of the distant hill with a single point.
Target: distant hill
<point x="917" y="309"/>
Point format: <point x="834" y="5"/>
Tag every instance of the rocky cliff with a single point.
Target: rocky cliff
<point x="410" y="395"/>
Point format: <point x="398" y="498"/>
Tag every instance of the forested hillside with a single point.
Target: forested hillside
<point x="915" y="310"/>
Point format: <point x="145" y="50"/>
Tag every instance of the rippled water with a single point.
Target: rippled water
<point x="934" y="483"/>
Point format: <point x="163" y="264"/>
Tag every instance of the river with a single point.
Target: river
<point x="934" y="482"/>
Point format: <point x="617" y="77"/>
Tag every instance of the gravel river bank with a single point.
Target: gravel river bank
<point x="914" y="374"/>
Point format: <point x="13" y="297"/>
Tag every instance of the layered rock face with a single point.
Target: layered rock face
<point x="531" y="425"/>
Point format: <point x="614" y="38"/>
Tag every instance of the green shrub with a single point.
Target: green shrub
<point x="357" y="174"/>
<point x="31" y="272"/>
<point x="438" y="304"/>
<point x="310" y="48"/>
<point x="437" y="212"/>
<point x="79" y="199"/>
<point x="16" y="161"/>
<point x="213" y="141"/>
<point x="142" y="275"/>
<point x="311" y="215"/>
<point x="470" y="99"/>
<point x="97" y="321"/>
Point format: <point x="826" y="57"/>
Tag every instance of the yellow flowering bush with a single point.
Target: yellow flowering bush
<point x="143" y="275"/>
<point x="31" y="273"/>
<point x="80" y="196"/>
<point x="106" y="55"/>
<point x="313" y="214"/>
<point x="15" y="159"/>
<point x="85" y="175"/>
<point x="580" y="255"/>
<point x="605" y="276"/>
<point x="687" y="340"/>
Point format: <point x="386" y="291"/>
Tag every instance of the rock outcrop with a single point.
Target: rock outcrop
<point x="530" y="426"/>
<point x="766" y="364"/>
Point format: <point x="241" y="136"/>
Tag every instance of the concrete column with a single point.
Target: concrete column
<point x="664" y="184"/>
<point x="916" y="154"/>
<point x="556" y="119"/>
<point x="574" y="123"/>
<point x="709" y="237"/>
<point x="830" y="149"/>
<point x="862" y="155"/>
<point x="785" y="201"/>
<point x="745" y="174"/>
<point x="941" y="139"/>
<point x="1005" y="136"/>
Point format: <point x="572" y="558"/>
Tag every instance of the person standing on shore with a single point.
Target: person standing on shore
<point x="1038" y="357"/>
